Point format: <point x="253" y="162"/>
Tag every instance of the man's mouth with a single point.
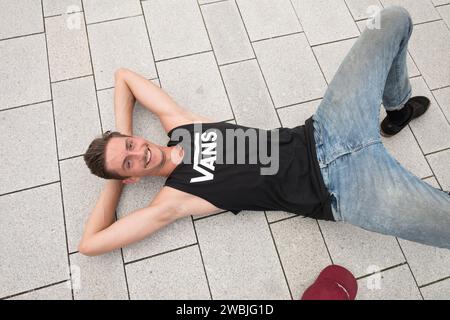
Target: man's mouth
<point x="149" y="157"/>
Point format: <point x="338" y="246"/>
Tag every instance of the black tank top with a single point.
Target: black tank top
<point x="219" y="166"/>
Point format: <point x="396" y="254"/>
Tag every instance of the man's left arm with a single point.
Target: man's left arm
<point x="130" y="86"/>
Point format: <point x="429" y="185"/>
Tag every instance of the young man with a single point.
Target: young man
<point x="334" y="167"/>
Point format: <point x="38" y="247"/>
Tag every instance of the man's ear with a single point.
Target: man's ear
<point x="131" y="180"/>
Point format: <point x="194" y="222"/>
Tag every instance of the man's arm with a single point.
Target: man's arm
<point x="130" y="86"/>
<point x="129" y="229"/>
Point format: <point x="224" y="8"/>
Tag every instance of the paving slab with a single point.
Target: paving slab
<point x="175" y="275"/>
<point x="431" y="129"/>
<point x="27" y="141"/>
<point x="434" y="67"/>
<point x="428" y="264"/>
<point x="266" y="19"/>
<point x="56" y="7"/>
<point x="443" y="99"/>
<point x="240" y="257"/>
<point x="302" y="252"/>
<point x="439" y="163"/>
<point x="359" y="250"/>
<point x="437" y="291"/>
<point x="290" y="69"/>
<point x="98" y="278"/>
<point x="61" y="291"/>
<point x="250" y="99"/>
<point x="171" y="23"/>
<point x="195" y="83"/>
<point x="227" y="32"/>
<point x="18" y="18"/>
<point x="33" y="251"/>
<point x="101" y="10"/>
<point x="118" y="44"/>
<point x="325" y="20"/>
<point x="68" y="51"/>
<point x="76" y="115"/>
<point x="17" y="85"/>
<point x="394" y="284"/>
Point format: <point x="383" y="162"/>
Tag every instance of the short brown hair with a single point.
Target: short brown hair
<point x="95" y="156"/>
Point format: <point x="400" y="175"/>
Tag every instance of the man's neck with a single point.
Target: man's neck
<point x="169" y="162"/>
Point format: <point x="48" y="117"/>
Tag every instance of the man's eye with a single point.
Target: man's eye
<point x="128" y="164"/>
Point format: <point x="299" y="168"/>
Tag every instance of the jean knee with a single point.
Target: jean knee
<point x="396" y="16"/>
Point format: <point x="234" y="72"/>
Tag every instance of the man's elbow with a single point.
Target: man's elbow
<point x="120" y="73"/>
<point x="85" y="248"/>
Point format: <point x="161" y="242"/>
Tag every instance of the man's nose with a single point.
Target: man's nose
<point x="136" y="153"/>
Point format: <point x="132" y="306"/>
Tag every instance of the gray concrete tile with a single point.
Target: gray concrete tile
<point x="27" y="141"/>
<point x="439" y="163"/>
<point x="248" y="94"/>
<point x="363" y="9"/>
<point x="443" y="98"/>
<point x="68" y="51"/>
<point x="33" y="240"/>
<point x="393" y="284"/>
<point x="176" y="28"/>
<point x="195" y="83"/>
<point x="98" y="278"/>
<point x="81" y="190"/>
<point x="296" y="115"/>
<point x="176" y="235"/>
<point x="431" y="130"/>
<point x="145" y="123"/>
<point x="120" y="43"/>
<point x="76" y="115"/>
<point x="325" y="20"/>
<point x="427" y="263"/>
<point x="437" y="291"/>
<point x="55" y="7"/>
<point x="227" y="32"/>
<point x="19" y="86"/>
<point x="239" y="250"/>
<point x="266" y="18"/>
<point x="273" y="216"/>
<point x="440" y="2"/>
<point x="290" y="69"/>
<point x="434" y="67"/>
<point x="101" y="10"/>
<point x="174" y="275"/>
<point x="331" y="55"/>
<point x="206" y="1"/>
<point x="444" y="11"/>
<point x="405" y="149"/>
<point x="359" y="250"/>
<point x="302" y="252"/>
<point x="61" y="291"/>
<point x="420" y="10"/>
<point x="18" y="18"/>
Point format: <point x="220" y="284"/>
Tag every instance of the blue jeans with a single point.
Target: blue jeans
<point x="369" y="187"/>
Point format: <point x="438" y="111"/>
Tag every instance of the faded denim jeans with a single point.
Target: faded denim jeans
<point x="369" y="187"/>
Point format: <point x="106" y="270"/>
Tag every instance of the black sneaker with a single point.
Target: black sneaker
<point x="417" y="105"/>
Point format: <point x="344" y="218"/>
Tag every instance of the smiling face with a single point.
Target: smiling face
<point x="133" y="156"/>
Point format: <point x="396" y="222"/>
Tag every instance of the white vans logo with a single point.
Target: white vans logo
<point x="205" y="155"/>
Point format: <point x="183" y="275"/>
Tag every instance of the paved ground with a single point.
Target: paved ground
<point x="261" y="63"/>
